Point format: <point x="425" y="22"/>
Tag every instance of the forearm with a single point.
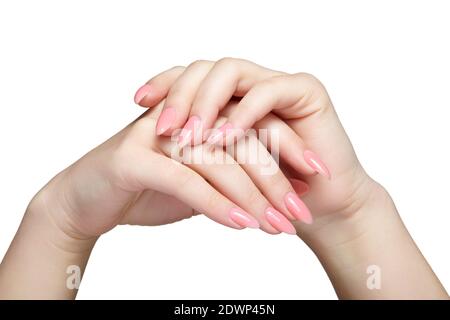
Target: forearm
<point x="371" y="255"/>
<point x="42" y="261"/>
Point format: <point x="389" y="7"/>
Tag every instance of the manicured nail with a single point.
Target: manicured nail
<point x="314" y="162"/>
<point x="243" y="219"/>
<point x="299" y="186"/>
<point x="141" y="93"/>
<point x="279" y="222"/>
<point x="297" y="208"/>
<point x="191" y="129"/>
<point x="219" y="133"/>
<point x="165" y="121"/>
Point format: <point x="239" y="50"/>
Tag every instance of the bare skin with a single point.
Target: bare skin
<point x="355" y="226"/>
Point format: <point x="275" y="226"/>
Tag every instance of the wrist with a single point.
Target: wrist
<point x="371" y="209"/>
<point x="49" y="210"/>
<point x="370" y="254"/>
<point x="43" y="261"/>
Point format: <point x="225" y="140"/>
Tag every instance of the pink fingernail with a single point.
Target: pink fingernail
<point x="191" y="129"/>
<point x="219" y="133"/>
<point x="165" y="121"/>
<point x="279" y="222"/>
<point x="141" y="93"/>
<point x="298" y="208"/>
<point x="314" y="162"/>
<point x="243" y="219"/>
<point x="299" y="186"/>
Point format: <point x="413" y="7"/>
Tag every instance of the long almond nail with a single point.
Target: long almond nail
<point x="297" y="208"/>
<point x="165" y="121"/>
<point x="219" y="133"/>
<point x="314" y="162"/>
<point x="190" y="130"/>
<point x="141" y="93"/>
<point x="279" y="222"/>
<point x="243" y="219"/>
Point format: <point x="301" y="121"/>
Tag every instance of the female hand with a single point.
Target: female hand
<point x="138" y="178"/>
<point x="310" y="133"/>
<point x="132" y="179"/>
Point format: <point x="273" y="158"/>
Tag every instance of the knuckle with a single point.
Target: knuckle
<point x="177" y="68"/>
<point x="228" y="63"/>
<point x="226" y="60"/>
<point x="269" y="83"/>
<point x="309" y="79"/>
<point x="199" y="63"/>
<point x="315" y="94"/>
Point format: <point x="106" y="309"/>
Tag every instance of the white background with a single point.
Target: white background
<point x="69" y="70"/>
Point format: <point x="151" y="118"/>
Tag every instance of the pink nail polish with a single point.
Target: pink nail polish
<point x="279" y="222"/>
<point x="298" y="208"/>
<point x="219" y="133"/>
<point x="314" y="162"/>
<point x="299" y="186"/>
<point x="165" y="121"/>
<point x="190" y="131"/>
<point x="141" y="93"/>
<point x="243" y="219"/>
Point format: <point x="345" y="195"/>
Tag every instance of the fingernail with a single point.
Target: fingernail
<point x="191" y="129"/>
<point x="243" y="219"/>
<point x="219" y="133"/>
<point x="165" y="121"/>
<point x="297" y="208"/>
<point x="141" y="93"/>
<point x="279" y="222"/>
<point x="314" y="162"/>
<point x="299" y="186"/>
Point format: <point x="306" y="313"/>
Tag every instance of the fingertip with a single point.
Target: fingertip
<point x="165" y="120"/>
<point x="315" y="162"/>
<point x="243" y="218"/>
<point x="279" y="221"/>
<point x="141" y="93"/>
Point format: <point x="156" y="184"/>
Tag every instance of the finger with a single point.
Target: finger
<point x="280" y="139"/>
<point x="227" y="177"/>
<point x="290" y="96"/>
<point x="157" y="87"/>
<point x="179" y="100"/>
<point x="231" y="180"/>
<point x="227" y="77"/>
<point x="264" y="171"/>
<point x="175" y="179"/>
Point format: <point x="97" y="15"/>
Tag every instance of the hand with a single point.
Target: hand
<point x="310" y="136"/>
<point x="135" y="178"/>
<point x="132" y="179"/>
<point x="355" y="221"/>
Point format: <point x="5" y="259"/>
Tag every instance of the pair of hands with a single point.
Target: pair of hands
<point x="133" y="179"/>
<point x="147" y="175"/>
